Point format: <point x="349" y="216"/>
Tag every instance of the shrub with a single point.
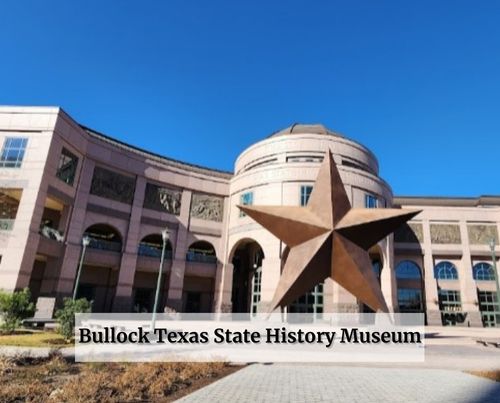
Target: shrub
<point x="14" y="307"/>
<point x="66" y="315"/>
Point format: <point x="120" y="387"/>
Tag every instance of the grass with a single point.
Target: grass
<point x="32" y="338"/>
<point x="55" y="379"/>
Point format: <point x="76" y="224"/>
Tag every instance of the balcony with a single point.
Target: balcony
<point x="102" y="244"/>
<point x="200" y="258"/>
<point x="153" y="251"/>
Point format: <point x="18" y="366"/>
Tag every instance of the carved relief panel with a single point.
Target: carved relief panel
<point x="480" y="234"/>
<point x="112" y="185"/>
<point x="409" y="233"/>
<point x="206" y="207"/>
<point x="163" y="199"/>
<point x="445" y="234"/>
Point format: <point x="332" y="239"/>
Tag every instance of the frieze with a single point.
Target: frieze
<point x="409" y="233"/>
<point x="162" y="199"/>
<point x="445" y="234"/>
<point x="112" y="185"/>
<point x="206" y="207"/>
<point x="480" y="234"/>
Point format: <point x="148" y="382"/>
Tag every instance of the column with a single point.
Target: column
<point x="176" y="280"/>
<point x="223" y="288"/>
<point x="271" y="272"/>
<point x="430" y="285"/>
<point x="124" y="288"/>
<point x="71" y="257"/>
<point x="468" y="290"/>
<point x="388" y="275"/>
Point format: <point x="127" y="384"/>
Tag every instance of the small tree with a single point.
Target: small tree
<point x="14" y="307"/>
<point x="66" y="315"/>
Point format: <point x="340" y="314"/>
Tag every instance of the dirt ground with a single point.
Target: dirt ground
<point x="58" y="380"/>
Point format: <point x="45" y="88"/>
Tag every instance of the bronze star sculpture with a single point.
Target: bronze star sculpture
<point x="328" y="238"/>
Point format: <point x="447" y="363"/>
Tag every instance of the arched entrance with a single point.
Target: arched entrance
<point x="101" y="266"/>
<point x="149" y="253"/>
<point x="377" y="264"/>
<point x="247" y="276"/>
<point x="410" y="287"/>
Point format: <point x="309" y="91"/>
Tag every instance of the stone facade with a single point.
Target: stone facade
<point x="128" y="196"/>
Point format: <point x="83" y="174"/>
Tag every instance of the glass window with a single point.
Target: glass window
<point x="246" y="199"/>
<point x="13" y="152"/>
<point x="408" y="270"/>
<point x="410" y="300"/>
<point x="449" y="300"/>
<point x="66" y="169"/>
<point x="483" y="271"/>
<point x="305" y="193"/>
<point x="370" y="201"/>
<point x="489" y="307"/>
<point x="311" y="302"/>
<point x="445" y="271"/>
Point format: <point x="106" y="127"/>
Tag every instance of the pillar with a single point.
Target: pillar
<point x="124" y="288"/>
<point x="430" y="286"/>
<point x="176" y="280"/>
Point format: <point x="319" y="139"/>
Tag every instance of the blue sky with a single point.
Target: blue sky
<point x="416" y="82"/>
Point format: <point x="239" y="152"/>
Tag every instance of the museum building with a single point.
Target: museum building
<point x="69" y="194"/>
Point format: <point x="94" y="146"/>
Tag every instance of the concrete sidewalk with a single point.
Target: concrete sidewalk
<point x="315" y="383"/>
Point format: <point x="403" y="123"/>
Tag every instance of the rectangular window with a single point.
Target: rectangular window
<point x="370" y="201"/>
<point x="13" y="152"/>
<point x="410" y="300"/>
<point x="9" y="203"/>
<point x="246" y="199"/>
<point x="449" y="300"/>
<point x="305" y="193"/>
<point x="66" y="169"/>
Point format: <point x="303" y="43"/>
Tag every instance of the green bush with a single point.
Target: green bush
<point x="66" y="315"/>
<point x="14" y="307"/>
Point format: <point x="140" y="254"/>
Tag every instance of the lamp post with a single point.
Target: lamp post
<point x="165" y="237"/>
<point x="85" y="243"/>
<point x="495" y="272"/>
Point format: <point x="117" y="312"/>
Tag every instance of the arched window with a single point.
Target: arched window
<point x="201" y="251"/>
<point x="408" y="270"/>
<point x="483" y="271"/>
<point x="105" y="237"/>
<point x="445" y="271"/>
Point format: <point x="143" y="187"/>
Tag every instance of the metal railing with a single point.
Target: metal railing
<point x="152" y="251"/>
<point x="102" y="244"/>
<point x="201" y="258"/>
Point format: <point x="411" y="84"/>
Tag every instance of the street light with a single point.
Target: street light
<point x="164" y="237"/>
<point x="85" y="243"/>
<point x="495" y="272"/>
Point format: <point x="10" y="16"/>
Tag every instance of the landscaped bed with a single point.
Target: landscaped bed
<point x="494" y="375"/>
<point x="32" y="338"/>
<point x="56" y="379"/>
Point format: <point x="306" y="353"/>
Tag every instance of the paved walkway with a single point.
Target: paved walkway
<point x="317" y="383"/>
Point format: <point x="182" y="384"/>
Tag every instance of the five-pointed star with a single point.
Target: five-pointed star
<point x="328" y="238"/>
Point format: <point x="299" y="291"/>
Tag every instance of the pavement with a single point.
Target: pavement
<point x="327" y="383"/>
<point x="440" y="378"/>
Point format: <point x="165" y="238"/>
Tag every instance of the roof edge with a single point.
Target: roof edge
<point x="109" y="139"/>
